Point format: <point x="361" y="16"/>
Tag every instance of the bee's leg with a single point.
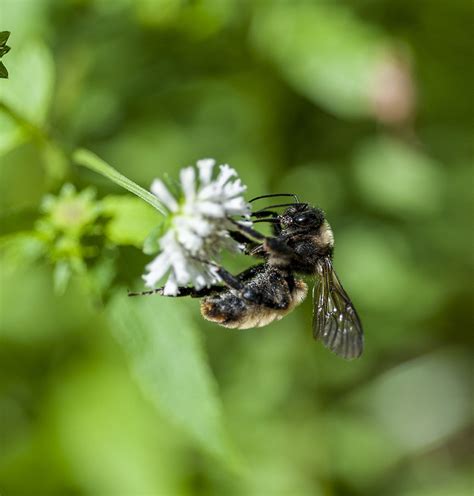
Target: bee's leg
<point x="240" y="238"/>
<point x="227" y="278"/>
<point x="248" y="232"/>
<point x="183" y="291"/>
<point x="276" y="296"/>
<point x="267" y="243"/>
<point x="276" y="226"/>
<point x="277" y="246"/>
<point x="235" y="282"/>
<point x="264" y="213"/>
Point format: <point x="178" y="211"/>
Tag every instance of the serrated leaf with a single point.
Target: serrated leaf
<point x="170" y="366"/>
<point x="4" y="35"/>
<point x="4" y="50"/>
<point x="3" y="71"/>
<point x="131" y="220"/>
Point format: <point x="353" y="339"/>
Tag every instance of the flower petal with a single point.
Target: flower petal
<point x="205" y="170"/>
<point x="171" y="286"/>
<point x="159" y="189"/>
<point x="187" y="177"/>
<point x="234" y="188"/>
<point x="199" y="226"/>
<point x="211" y="209"/>
<point x="156" y="269"/>
<point x="236" y="206"/>
<point x="225" y="174"/>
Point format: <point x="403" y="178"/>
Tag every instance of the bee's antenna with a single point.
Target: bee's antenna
<point x="273" y="195"/>
<point x="304" y="205"/>
<point x="272" y="220"/>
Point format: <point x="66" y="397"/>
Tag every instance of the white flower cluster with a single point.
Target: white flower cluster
<point x="199" y="226"/>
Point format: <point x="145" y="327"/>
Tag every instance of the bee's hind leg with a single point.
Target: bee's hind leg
<point x="183" y="291"/>
<point x="235" y="283"/>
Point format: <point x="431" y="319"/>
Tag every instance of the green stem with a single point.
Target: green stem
<point x="32" y="129"/>
<point x="90" y="160"/>
<point x="55" y="158"/>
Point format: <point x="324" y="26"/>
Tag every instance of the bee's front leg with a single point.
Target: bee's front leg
<point x="270" y="244"/>
<point x="249" y="233"/>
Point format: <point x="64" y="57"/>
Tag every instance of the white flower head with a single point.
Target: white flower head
<point x="198" y="226"/>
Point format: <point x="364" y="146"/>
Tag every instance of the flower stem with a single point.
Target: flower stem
<point x="90" y="160"/>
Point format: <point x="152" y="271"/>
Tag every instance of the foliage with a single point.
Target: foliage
<point x="4" y="49"/>
<point x="362" y="108"/>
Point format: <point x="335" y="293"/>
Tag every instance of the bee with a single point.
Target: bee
<point x="302" y="243"/>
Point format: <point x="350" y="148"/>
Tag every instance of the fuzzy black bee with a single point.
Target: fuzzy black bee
<point x="302" y="243"/>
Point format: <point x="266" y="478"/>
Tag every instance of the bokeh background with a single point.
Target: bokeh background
<point x="362" y="108"/>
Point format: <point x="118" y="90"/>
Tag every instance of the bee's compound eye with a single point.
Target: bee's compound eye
<point x="305" y="219"/>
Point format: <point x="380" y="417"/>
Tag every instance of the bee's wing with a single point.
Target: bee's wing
<point x="335" y="320"/>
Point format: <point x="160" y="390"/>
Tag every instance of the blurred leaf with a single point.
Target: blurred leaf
<point x="419" y="403"/>
<point x="110" y="437"/>
<point x="31" y="313"/>
<point x="376" y="266"/>
<point x="361" y="451"/>
<point x="457" y="482"/>
<point x="131" y="220"/>
<point x="24" y="19"/>
<point x="55" y="161"/>
<point x="397" y="178"/>
<point x="27" y="63"/>
<point x="61" y="276"/>
<point x="21" y="249"/>
<point x="316" y="183"/>
<point x="168" y="362"/>
<point x="103" y="272"/>
<point x="322" y="49"/>
<point x="151" y="244"/>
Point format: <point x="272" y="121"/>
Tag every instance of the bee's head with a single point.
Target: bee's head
<point x="301" y="218"/>
<point x="297" y="218"/>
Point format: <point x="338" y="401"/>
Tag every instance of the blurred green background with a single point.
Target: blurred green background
<point x="363" y="108"/>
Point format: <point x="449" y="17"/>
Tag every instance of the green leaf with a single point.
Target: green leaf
<point x="3" y="71"/>
<point x="61" y="277"/>
<point x="90" y="160"/>
<point x="398" y="178"/>
<point x="151" y="244"/>
<point x="131" y="220"/>
<point x="96" y="406"/>
<point x="30" y="101"/>
<point x="322" y="50"/>
<point x="21" y="249"/>
<point x="4" y="35"/>
<point x="170" y="366"/>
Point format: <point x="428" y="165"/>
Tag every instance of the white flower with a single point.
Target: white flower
<point x="199" y="226"/>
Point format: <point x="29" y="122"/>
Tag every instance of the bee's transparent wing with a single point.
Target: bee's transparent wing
<point x="335" y="320"/>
